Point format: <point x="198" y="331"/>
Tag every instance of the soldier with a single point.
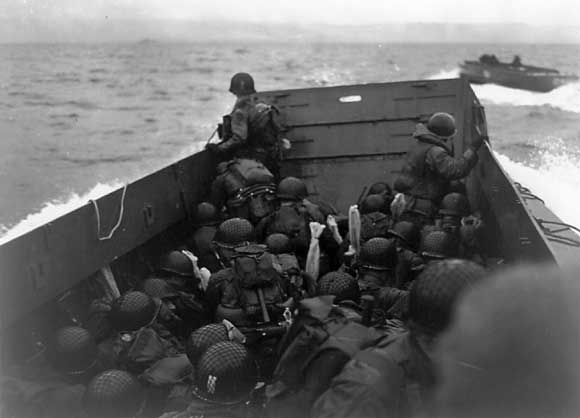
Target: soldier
<point x="200" y="243"/>
<point x="512" y="350"/>
<point x="246" y="188"/>
<point x="429" y="167"/>
<point x="439" y="245"/>
<point x="224" y="381"/>
<point x="409" y="264"/>
<point x="321" y="340"/>
<point x="375" y="221"/>
<point x="114" y="394"/>
<point x="253" y="128"/>
<point x="232" y="233"/>
<point x="376" y="265"/>
<point x="396" y="376"/>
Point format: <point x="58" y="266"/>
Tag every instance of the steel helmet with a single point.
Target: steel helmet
<point x="373" y="203"/>
<point x="454" y="204"/>
<point x="206" y="214"/>
<point x="408" y="232"/>
<point x="340" y="284"/>
<point x="278" y="243"/>
<point x="241" y="84"/>
<point x="133" y="310"/>
<point x="434" y="293"/>
<point x="381" y="188"/>
<point x="175" y="262"/>
<point x="225" y="374"/>
<point x="292" y="188"/>
<point x="113" y="393"/>
<point x="439" y="245"/>
<point x="72" y="350"/>
<point x="158" y="288"/>
<point x="203" y="338"/>
<point x="234" y="232"/>
<point x="442" y="124"/>
<point x="378" y="254"/>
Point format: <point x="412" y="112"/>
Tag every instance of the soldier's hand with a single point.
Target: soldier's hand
<point x="477" y="142"/>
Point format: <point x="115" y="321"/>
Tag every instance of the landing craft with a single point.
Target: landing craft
<point x="515" y="75"/>
<point x="343" y="139"/>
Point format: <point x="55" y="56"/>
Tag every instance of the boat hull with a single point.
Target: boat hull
<point x="523" y="77"/>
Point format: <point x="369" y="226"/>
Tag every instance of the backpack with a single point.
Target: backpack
<point x="319" y="327"/>
<point x="293" y="222"/>
<point x="264" y="125"/>
<point x="240" y="174"/>
<point x="374" y="224"/>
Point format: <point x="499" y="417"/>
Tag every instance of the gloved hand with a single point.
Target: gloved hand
<point x="477" y="142"/>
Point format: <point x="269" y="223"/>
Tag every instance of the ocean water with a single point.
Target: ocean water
<point x="78" y="121"/>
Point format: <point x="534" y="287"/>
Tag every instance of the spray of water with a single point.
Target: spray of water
<point x="55" y="209"/>
<point x="566" y="97"/>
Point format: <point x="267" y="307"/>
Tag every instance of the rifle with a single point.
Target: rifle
<point x="264" y="331"/>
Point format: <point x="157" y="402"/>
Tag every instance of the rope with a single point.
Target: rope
<point x="551" y="234"/>
<point x="527" y="193"/>
<point x="119" y="220"/>
<point x="211" y="136"/>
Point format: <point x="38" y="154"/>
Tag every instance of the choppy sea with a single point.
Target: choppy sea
<point x="78" y="121"/>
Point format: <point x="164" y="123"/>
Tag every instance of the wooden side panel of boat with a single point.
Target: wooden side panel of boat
<point x="344" y="138"/>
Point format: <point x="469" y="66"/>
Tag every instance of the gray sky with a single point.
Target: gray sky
<point x="545" y="12"/>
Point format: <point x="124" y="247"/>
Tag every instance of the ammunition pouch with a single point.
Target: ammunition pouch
<point x="225" y="128"/>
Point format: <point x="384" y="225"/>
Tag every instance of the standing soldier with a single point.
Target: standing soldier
<point x="252" y="130"/>
<point x="430" y="167"/>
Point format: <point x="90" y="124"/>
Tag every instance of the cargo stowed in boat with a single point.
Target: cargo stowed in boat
<point x="515" y="75"/>
<point x="343" y="138"/>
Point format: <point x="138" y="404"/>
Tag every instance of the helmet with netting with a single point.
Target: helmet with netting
<point x="454" y="204"/>
<point x="203" y="338"/>
<point x="242" y="84"/>
<point x="206" y="214"/>
<point x="408" y="232"/>
<point x="378" y="254"/>
<point x="439" y="245"/>
<point x="292" y="188"/>
<point x="373" y="203"/>
<point x="158" y="288"/>
<point x="234" y="232"/>
<point x="442" y="124"/>
<point x="278" y="243"/>
<point x="175" y="262"/>
<point x="72" y="350"/>
<point x="225" y="374"/>
<point x="133" y="310"/>
<point x="340" y="284"/>
<point x="434" y="293"/>
<point x="113" y="394"/>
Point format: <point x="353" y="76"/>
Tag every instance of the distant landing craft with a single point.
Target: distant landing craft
<point x="515" y="75"/>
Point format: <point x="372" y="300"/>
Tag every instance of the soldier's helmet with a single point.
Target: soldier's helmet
<point x="132" y="311"/>
<point x="438" y="245"/>
<point x="234" y="232"/>
<point x="158" y="288"/>
<point x="113" y="393"/>
<point x="442" y="124"/>
<point x="407" y="232"/>
<point x="373" y="203"/>
<point x="381" y="188"/>
<point x="340" y="284"/>
<point x="378" y="254"/>
<point x="292" y="188"/>
<point x="206" y="214"/>
<point x="225" y="374"/>
<point x="203" y="338"/>
<point x="454" y="204"/>
<point x="175" y="262"/>
<point x="278" y="243"/>
<point x="242" y="84"/>
<point x="434" y="293"/>
<point x="72" y="350"/>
